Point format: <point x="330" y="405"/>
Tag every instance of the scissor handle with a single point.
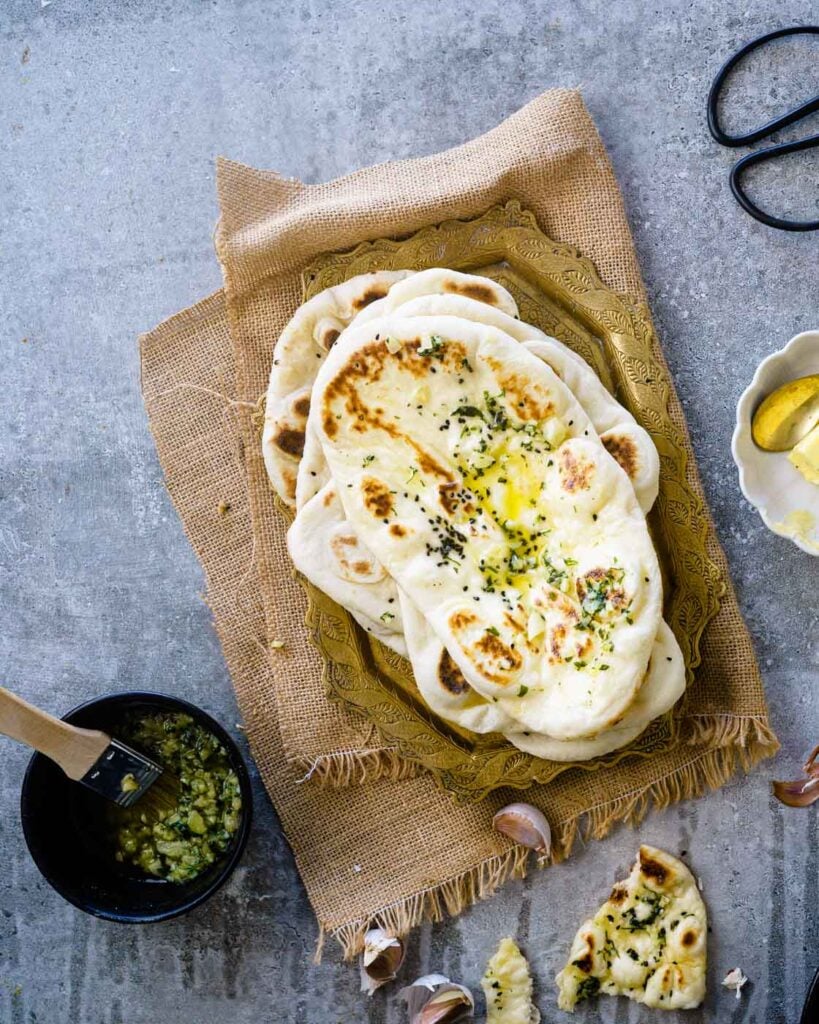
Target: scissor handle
<point x="772" y="126"/>
<point x="749" y="206"/>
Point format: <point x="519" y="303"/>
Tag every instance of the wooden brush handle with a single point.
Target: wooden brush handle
<point x="75" y="750"/>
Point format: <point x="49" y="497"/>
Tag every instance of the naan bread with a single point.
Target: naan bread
<point x="439" y="283"/>
<point x="624" y="438"/>
<point x="444" y="282"/>
<point x="547" y="593"/>
<point x="326" y="549"/>
<point x="648" y="942"/>
<point x="663" y="686"/>
<point x="441" y="683"/>
<point x="507" y="986"/>
<point x="313" y="472"/>
<point x="298" y="353"/>
<point x="447" y="693"/>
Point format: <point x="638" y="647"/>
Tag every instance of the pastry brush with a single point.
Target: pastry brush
<point x="99" y="761"/>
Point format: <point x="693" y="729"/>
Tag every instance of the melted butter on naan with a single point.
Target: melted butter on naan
<point x="537" y="501"/>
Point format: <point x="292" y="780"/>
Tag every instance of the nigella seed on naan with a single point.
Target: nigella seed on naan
<point x="549" y="506"/>
<point x="625" y="439"/>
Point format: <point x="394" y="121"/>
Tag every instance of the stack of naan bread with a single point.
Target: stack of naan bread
<point x="467" y="488"/>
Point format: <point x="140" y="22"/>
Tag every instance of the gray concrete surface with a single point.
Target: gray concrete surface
<point x="111" y="116"/>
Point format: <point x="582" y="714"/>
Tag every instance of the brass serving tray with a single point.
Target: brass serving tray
<point x="559" y="291"/>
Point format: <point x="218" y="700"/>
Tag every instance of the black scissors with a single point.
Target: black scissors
<point x="760" y="133"/>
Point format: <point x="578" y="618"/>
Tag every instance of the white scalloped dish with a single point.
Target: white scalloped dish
<point x="788" y="504"/>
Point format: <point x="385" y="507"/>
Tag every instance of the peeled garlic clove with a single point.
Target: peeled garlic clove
<point x="448" y="1005"/>
<point x="381" y="960"/>
<point x="525" y="825"/>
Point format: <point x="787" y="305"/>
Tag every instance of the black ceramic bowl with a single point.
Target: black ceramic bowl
<point x="63" y="826"/>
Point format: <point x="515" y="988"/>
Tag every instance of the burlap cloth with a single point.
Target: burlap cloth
<point x="395" y="851"/>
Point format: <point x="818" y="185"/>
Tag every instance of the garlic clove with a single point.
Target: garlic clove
<point x="431" y="981"/>
<point x="448" y="1005"/>
<point x="433" y="999"/>
<point x="525" y="825"/>
<point x="381" y="960"/>
<point x="801" y="792"/>
<point x="734" y="980"/>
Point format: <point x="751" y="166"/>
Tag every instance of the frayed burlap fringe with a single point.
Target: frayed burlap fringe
<point x="451" y="896"/>
<point x="708" y="770"/>
<point x="746" y="733"/>
<point x="356" y="767"/>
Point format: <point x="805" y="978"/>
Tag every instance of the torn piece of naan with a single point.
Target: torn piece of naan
<point x="647" y="942"/>
<point x="507" y="987"/>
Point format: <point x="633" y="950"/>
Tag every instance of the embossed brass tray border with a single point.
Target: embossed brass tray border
<point x="560" y="291"/>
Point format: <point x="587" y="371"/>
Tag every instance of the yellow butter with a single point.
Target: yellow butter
<point x="805" y="456"/>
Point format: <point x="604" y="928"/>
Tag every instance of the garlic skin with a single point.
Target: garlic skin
<point x="381" y="960"/>
<point x="525" y="825"/>
<point x="434" y="999"/>
<point x="734" y="980"/>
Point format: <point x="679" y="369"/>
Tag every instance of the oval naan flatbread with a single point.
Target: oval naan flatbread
<point x="546" y="592"/>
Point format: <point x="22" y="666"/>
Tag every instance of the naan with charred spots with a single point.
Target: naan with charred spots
<point x="576" y="473"/>
<point x="470" y="437"/>
<point x="646" y="942"/>
<point x="290" y="441"/>
<point x="377" y="497"/>
<point x="299" y="352"/>
<point x="472" y="290"/>
<point x="624" y="451"/>
<point x="474" y="446"/>
<point x="450" y="676"/>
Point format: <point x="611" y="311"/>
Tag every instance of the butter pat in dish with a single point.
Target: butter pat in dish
<point x="786" y="500"/>
<point x="805" y="456"/>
